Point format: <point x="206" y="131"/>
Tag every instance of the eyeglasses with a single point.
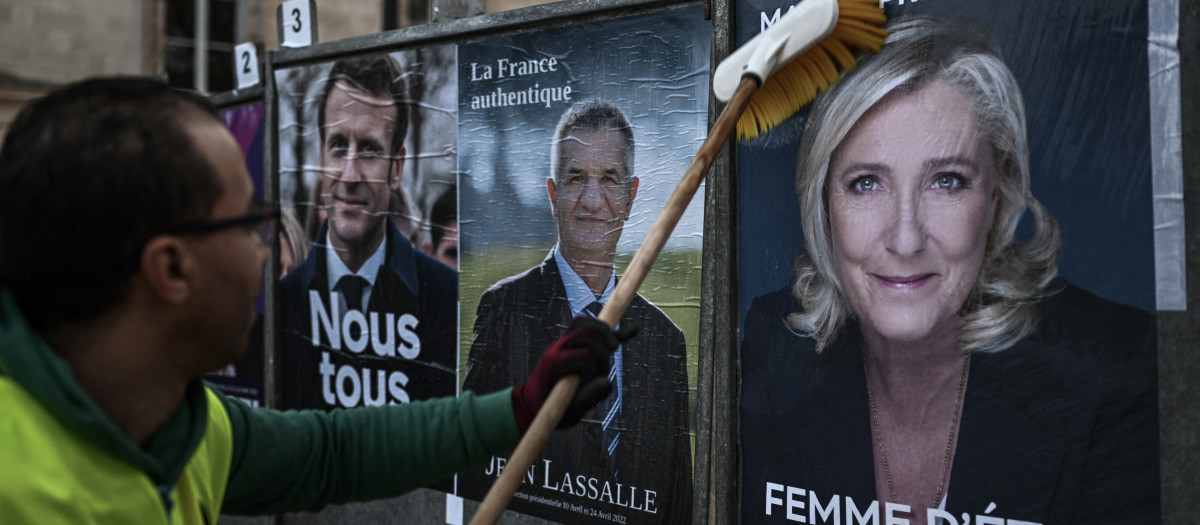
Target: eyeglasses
<point x="263" y="220"/>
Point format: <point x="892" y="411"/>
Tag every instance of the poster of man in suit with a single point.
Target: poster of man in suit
<point x="367" y="146"/>
<point x="571" y="141"/>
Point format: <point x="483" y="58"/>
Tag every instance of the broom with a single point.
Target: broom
<point x="811" y="42"/>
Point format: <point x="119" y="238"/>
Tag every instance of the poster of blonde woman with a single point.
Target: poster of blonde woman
<point x="963" y="330"/>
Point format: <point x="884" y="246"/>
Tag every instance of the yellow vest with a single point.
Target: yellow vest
<point x="50" y="475"/>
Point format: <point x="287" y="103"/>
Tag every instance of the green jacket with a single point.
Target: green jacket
<point x="66" y="462"/>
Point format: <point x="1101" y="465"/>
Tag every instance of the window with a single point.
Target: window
<point x="207" y="28"/>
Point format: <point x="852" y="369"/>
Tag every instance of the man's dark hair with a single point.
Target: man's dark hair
<point x="379" y="75"/>
<point x="444" y="212"/>
<point x="592" y="115"/>
<point x="88" y="174"/>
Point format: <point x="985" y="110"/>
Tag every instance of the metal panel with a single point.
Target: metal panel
<point x="716" y="477"/>
<point x="1179" y="331"/>
<point x="237" y="97"/>
<point x="543" y="16"/>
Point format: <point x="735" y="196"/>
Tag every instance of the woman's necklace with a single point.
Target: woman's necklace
<point x="958" y="400"/>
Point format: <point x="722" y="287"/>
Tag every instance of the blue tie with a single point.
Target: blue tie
<point x="611" y="405"/>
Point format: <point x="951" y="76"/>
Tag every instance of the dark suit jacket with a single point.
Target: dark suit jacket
<point x="409" y="282"/>
<point x="1061" y="428"/>
<point x="516" y="320"/>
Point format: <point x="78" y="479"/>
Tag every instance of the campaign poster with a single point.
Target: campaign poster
<point x="366" y="150"/>
<point x="571" y="140"/>
<point x="932" y="398"/>
<point x="244" y="379"/>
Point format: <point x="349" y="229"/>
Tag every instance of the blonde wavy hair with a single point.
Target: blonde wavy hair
<point x="1002" y="307"/>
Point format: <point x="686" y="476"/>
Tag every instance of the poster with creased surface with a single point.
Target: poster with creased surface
<point x="571" y="141"/>
<point x="947" y="276"/>
<point x="244" y="379"/>
<point x="367" y="148"/>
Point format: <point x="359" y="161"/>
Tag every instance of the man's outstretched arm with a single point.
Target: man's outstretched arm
<point x="305" y="460"/>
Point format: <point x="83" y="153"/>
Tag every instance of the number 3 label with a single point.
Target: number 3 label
<point x="296" y="27"/>
<point x="246" y="65"/>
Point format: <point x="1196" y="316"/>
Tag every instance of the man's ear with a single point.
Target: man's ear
<point x="551" y="189"/>
<point x="397" y="170"/>
<point x="633" y="186"/>
<point x="167" y="267"/>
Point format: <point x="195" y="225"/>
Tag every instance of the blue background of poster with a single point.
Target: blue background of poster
<point x="1082" y="66"/>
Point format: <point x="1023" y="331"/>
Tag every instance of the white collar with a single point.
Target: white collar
<point x="336" y="269"/>
<point x="579" y="294"/>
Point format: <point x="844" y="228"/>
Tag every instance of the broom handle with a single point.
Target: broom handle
<point x="560" y="397"/>
<point x="648" y="252"/>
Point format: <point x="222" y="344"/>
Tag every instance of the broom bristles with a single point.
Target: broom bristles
<point x="793" y="86"/>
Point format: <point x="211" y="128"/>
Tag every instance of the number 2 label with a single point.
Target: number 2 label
<point x="246" y="65"/>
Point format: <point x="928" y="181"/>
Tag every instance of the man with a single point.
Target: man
<point x="105" y="419"/>
<point x="367" y="318"/>
<point x="639" y="436"/>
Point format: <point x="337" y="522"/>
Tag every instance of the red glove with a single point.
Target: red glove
<point x="584" y="349"/>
